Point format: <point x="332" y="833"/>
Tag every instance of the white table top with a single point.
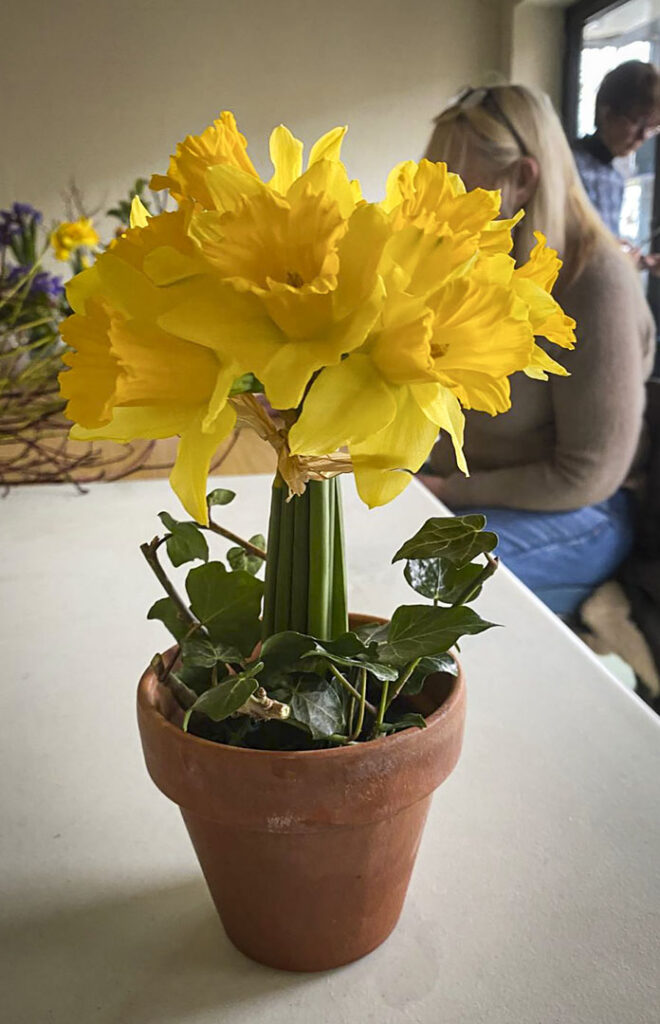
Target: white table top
<point x="536" y="896"/>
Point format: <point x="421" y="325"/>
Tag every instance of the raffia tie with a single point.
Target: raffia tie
<point x="295" y="470"/>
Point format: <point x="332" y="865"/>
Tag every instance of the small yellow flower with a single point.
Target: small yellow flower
<point x="72" y="235"/>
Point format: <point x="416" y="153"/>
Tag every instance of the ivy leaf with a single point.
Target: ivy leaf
<point x="458" y="539"/>
<point x="426" y="667"/>
<point x="282" y="650"/>
<point x="186" y="541"/>
<point x="373" y="632"/>
<point x="441" y="580"/>
<point x="198" y="651"/>
<point x="227" y="697"/>
<point x="319" y="706"/>
<point x="166" y="611"/>
<point x="220" y="496"/>
<point x="417" y="631"/>
<point x="227" y="603"/>
<point x="199" y="679"/>
<point x="239" y="558"/>
<point x="351" y="643"/>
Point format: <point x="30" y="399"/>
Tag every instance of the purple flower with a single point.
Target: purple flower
<point x="8" y="229"/>
<point x="42" y="283"/>
<point x="25" y="210"/>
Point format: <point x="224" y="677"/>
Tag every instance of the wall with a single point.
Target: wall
<point x="103" y="89"/>
<point x="537" y="44"/>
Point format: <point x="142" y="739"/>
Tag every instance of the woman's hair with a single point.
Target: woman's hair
<point x="500" y="125"/>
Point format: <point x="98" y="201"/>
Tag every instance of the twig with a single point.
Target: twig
<point x="252" y="549"/>
<point x="184" y="696"/>
<point x="149" y="552"/>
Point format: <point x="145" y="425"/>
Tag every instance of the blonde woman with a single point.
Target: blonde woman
<point x="552" y="474"/>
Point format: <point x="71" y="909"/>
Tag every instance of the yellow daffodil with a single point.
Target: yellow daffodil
<point x="129" y="378"/>
<point x="374" y="324"/>
<point x="71" y="235"/>
<point x="220" y="143"/>
<point x="291" y="266"/>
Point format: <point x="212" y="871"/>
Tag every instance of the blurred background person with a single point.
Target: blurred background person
<point x="552" y="474"/>
<point x="627" y="114"/>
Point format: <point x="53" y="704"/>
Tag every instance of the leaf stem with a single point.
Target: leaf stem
<point x="350" y="688"/>
<point x="363" y="703"/>
<point x="382" y="708"/>
<point x="403" y="679"/>
<point x="487" y="571"/>
<point x="247" y="545"/>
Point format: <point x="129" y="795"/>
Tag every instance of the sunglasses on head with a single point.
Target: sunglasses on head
<point x="486" y="97"/>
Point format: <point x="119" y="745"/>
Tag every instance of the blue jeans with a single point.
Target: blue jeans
<point x="563" y="556"/>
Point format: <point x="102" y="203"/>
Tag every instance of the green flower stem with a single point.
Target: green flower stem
<point x="284" y="565"/>
<point x="300" y="563"/>
<point x="350" y="688"/>
<point x="363" y="703"/>
<point x="270" y="590"/>
<point x="339" y="615"/>
<point x="305" y="570"/>
<point x="320" y="564"/>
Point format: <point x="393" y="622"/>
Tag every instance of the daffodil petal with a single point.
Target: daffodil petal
<point x="385" y="462"/>
<point x="286" y="153"/>
<point x="130" y="422"/>
<point x="191" y="469"/>
<point x="443" y="409"/>
<point x="230" y="186"/>
<point x="139" y="216"/>
<point x="328" y="147"/>
<point x="346" y="403"/>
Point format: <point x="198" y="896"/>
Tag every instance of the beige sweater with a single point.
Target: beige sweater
<point x="571" y="441"/>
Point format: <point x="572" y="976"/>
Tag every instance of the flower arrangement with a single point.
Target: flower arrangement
<point x="347" y="334"/>
<point x="34" y="444"/>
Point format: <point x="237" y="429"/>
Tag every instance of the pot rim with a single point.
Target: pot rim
<point x="149" y="683"/>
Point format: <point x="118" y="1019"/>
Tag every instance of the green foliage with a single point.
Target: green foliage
<point x="458" y="540"/>
<point x="227" y="604"/>
<point x="239" y="558"/>
<point x="417" y="631"/>
<point x="318" y="705"/>
<point x="442" y="581"/>
<point x="227" y="697"/>
<point x="167" y="612"/>
<point x="220" y="496"/>
<point x="354" y="687"/>
<point x="248" y="382"/>
<point x="185" y="543"/>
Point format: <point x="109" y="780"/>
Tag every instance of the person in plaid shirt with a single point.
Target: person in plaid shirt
<point x="627" y="113"/>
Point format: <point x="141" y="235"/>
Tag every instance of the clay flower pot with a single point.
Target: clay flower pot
<point x="307" y="854"/>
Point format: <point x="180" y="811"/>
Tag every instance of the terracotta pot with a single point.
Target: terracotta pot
<point x="307" y="854"/>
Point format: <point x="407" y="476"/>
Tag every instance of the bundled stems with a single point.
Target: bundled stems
<point x="305" y="567"/>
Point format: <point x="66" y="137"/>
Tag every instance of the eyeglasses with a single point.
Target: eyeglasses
<point x="485" y="97"/>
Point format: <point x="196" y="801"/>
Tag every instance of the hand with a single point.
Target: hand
<point x="651" y="262"/>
